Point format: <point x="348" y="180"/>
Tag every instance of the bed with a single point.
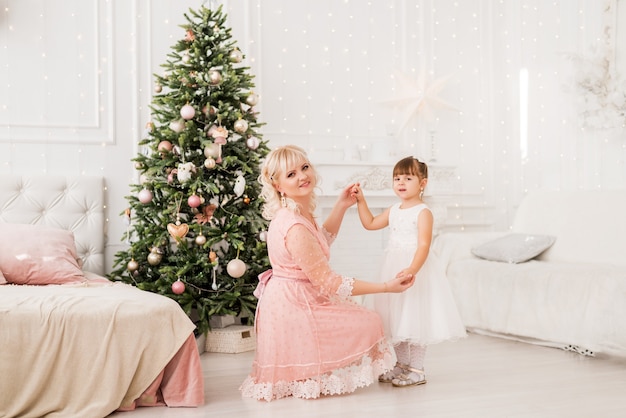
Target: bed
<point x="73" y="343"/>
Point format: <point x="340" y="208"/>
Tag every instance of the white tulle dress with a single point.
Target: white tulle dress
<point x="426" y="313"/>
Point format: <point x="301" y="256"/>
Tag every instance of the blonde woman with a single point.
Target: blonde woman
<point x="312" y="340"/>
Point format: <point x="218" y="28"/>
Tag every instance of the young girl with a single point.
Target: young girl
<point x="426" y="313"/>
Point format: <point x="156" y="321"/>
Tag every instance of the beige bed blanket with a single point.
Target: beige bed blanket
<point x="83" y="350"/>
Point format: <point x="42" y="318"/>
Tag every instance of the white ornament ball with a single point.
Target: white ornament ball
<point x="241" y="126"/>
<point x="263" y="236"/>
<point x="253" y="142"/>
<point x="200" y="240"/>
<point x="252" y="99"/>
<point x="236" y="268"/>
<point x="158" y="88"/>
<point x="212" y="151"/>
<point x="145" y="196"/>
<point x="209" y="163"/>
<point x="187" y="112"/>
<point x="177" y="126"/>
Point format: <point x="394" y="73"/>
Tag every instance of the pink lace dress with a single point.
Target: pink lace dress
<point x="312" y="339"/>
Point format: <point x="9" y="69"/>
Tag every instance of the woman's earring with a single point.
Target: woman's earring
<point x="283" y="201"/>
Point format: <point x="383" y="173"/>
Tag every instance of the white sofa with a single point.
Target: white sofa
<point x="572" y="296"/>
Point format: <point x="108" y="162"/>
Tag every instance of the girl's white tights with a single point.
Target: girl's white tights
<point x="411" y="354"/>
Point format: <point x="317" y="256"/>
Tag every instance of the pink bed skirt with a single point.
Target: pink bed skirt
<point x="180" y="384"/>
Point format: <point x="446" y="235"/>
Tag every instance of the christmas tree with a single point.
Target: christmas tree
<point x="195" y="230"/>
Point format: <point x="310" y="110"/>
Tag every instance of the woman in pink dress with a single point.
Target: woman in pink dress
<point x="312" y="339"/>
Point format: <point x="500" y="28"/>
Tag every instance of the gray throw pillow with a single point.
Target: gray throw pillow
<point x="514" y="248"/>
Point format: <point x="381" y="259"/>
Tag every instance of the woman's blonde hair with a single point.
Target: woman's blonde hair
<point x="276" y="163"/>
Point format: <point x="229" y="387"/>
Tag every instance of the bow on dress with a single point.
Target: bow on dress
<point x="263" y="279"/>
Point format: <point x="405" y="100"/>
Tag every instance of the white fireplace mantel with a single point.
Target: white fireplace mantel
<point x="376" y="179"/>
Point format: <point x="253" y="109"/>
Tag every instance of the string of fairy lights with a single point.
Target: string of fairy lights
<point x="323" y="70"/>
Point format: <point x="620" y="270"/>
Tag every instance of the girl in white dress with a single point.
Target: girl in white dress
<point x="426" y="313"/>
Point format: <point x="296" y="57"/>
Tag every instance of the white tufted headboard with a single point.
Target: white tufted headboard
<point x="72" y="203"/>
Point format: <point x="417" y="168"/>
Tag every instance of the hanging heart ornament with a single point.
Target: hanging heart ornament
<point x="178" y="232"/>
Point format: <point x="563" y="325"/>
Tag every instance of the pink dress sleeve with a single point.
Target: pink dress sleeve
<point x="308" y="254"/>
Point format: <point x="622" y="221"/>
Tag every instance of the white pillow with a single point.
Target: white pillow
<point x="514" y="248"/>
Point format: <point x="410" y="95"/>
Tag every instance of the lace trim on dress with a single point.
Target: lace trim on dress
<point x="344" y="291"/>
<point x="340" y="381"/>
<point x="330" y="237"/>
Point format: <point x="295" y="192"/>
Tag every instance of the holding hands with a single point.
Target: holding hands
<point x="400" y="283"/>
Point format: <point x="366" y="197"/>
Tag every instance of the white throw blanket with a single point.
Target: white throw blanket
<point x="83" y="350"/>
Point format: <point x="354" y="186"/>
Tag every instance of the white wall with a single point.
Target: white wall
<point x="76" y="83"/>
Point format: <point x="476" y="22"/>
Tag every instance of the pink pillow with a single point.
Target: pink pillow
<point x="33" y="254"/>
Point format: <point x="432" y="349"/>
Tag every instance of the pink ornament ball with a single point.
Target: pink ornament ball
<point x="145" y="196"/>
<point x="164" y="146"/>
<point x="178" y="287"/>
<point x="253" y="142"/>
<point x="194" y="201"/>
<point x="187" y="112"/>
<point x="236" y="268"/>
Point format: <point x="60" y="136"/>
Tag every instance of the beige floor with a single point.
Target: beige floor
<point x="479" y="376"/>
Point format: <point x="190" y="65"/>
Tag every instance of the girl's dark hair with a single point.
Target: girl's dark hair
<point x="411" y="166"/>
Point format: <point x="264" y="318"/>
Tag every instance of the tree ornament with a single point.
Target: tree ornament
<point x="253" y="142"/>
<point x="215" y="77"/>
<point x="189" y="36"/>
<point x="132" y="265"/>
<point x="138" y="165"/>
<point x="235" y="55"/>
<point x="263" y="236"/>
<point x="219" y="133"/>
<point x="145" y="196"/>
<point x="252" y="99"/>
<point x="155" y="256"/>
<point x="186" y="58"/>
<point x="206" y="215"/>
<point x="177" y="126"/>
<point x="246" y="200"/>
<point x="240" y="185"/>
<point x="184" y="171"/>
<point x="194" y="201"/>
<point x="164" y="147"/>
<point x="200" y="239"/>
<point x="212" y="151"/>
<point x="241" y="126"/>
<point x="178" y="231"/>
<point x="187" y="112"/>
<point x="178" y="287"/>
<point x="209" y="163"/>
<point x="158" y="88"/>
<point x="236" y="268"/>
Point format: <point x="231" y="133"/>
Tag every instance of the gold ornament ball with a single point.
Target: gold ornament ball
<point x="209" y="163"/>
<point x="132" y="265"/>
<point x="215" y="77"/>
<point x="236" y="268"/>
<point x="252" y="99"/>
<point x="241" y="126"/>
<point x="235" y="55"/>
<point x="154" y="259"/>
